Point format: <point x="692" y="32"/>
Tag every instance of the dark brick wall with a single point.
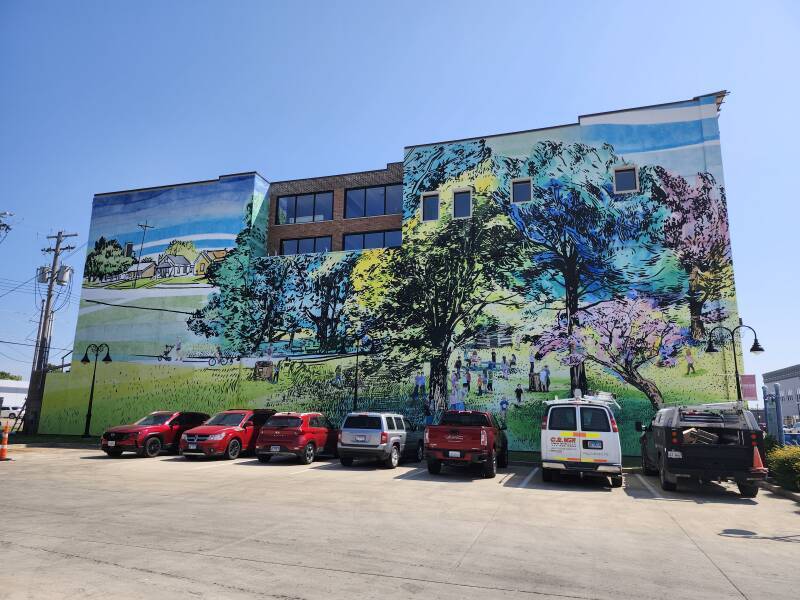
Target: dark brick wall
<point x="393" y="173"/>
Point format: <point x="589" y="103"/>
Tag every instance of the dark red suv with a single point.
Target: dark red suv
<point x="304" y="435"/>
<point x="150" y="435"/>
<point x="227" y="434"/>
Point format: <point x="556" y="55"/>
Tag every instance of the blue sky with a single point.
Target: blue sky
<point x="102" y="96"/>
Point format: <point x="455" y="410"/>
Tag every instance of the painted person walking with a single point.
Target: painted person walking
<point x="544" y="378"/>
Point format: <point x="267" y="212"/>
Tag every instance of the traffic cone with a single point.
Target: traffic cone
<point x="758" y="465"/>
<point x="4" y="444"/>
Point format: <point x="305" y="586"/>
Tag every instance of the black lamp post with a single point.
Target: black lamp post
<point x="96" y="350"/>
<point x="364" y="339"/>
<point x="756" y="348"/>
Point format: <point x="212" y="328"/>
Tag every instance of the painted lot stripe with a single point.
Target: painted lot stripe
<point x="530" y="476"/>
<point x="649" y="487"/>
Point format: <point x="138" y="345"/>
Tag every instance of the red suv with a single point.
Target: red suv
<point x="150" y="435"/>
<point x="228" y="433"/>
<point x="303" y="435"/>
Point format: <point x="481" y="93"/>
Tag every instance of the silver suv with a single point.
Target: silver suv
<point x="388" y="437"/>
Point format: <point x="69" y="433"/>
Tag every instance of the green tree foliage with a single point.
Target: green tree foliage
<point x="185" y="248"/>
<point x="106" y="259"/>
<point x="7" y="375"/>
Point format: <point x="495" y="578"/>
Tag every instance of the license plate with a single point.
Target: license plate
<point x="274" y="448"/>
<point x="674" y="454"/>
<point x="192" y="446"/>
<point x="454" y="454"/>
<point x="361" y="438"/>
<point x="111" y="443"/>
<point x="594" y="444"/>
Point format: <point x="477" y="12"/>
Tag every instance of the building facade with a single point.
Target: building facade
<point x="493" y="272"/>
<point x="789" y="380"/>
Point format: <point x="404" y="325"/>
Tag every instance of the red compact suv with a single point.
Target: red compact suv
<point x="150" y="435"/>
<point x="228" y="433"/>
<point x="303" y="435"/>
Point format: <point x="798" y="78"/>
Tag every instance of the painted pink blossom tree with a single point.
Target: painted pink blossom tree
<point x="697" y="232"/>
<point x="623" y="336"/>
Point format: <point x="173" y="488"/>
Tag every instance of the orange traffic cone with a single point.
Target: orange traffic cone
<point x="758" y="465"/>
<point x="4" y="443"/>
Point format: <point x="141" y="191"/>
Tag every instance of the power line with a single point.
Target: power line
<point x="30" y="345"/>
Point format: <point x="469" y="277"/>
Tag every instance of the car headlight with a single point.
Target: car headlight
<point x="216" y="437"/>
<point x="184" y="437"/>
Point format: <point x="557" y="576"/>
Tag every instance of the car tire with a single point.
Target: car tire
<point x="748" y="490"/>
<point x="663" y="474"/>
<point x="490" y="467"/>
<point x="547" y="474"/>
<point x="646" y="468"/>
<point x="264" y="458"/>
<point x="307" y="456"/>
<point x="233" y="450"/>
<point x="502" y="461"/>
<point x="347" y="461"/>
<point x="12" y="416"/>
<point x="420" y="455"/>
<point x="152" y="447"/>
<point x="616" y="481"/>
<point x="434" y="467"/>
<point x="391" y="461"/>
<point x="113" y="453"/>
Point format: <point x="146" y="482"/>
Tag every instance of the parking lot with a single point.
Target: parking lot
<point x="79" y="524"/>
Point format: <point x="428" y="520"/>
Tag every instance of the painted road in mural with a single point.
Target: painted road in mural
<point x="554" y="280"/>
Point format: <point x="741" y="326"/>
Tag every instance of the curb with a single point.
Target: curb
<point x="779" y="491"/>
<point x="72" y="445"/>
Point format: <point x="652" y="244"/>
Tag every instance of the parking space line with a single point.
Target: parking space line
<point x="530" y="476"/>
<point x="306" y="470"/>
<point x="649" y="487"/>
<point x="218" y="464"/>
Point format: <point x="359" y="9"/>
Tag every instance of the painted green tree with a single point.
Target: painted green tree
<point x="185" y="248"/>
<point x="106" y="259"/>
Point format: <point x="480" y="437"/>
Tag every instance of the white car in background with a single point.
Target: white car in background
<point x="11" y="412"/>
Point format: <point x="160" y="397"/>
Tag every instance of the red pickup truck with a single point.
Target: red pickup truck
<point x="466" y="437"/>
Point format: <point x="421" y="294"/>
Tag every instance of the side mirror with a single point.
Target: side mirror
<point x="247" y="425"/>
<point x="638" y="426"/>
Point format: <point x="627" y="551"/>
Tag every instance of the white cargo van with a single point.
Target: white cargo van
<point x="580" y="435"/>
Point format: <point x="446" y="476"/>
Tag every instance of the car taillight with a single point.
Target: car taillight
<point x="544" y="421"/>
<point x="340" y="436"/>
<point x="614" y="424"/>
<point x="426" y="436"/>
<point x="484" y="438"/>
<point x="384" y="437"/>
<point x="676" y="437"/>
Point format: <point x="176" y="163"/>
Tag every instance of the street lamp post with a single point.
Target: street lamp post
<point x="364" y="339"/>
<point x="96" y="350"/>
<point x="756" y="348"/>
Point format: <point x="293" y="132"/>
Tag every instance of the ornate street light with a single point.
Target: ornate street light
<point x="96" y="350"/>
<point x="756" y="349"/>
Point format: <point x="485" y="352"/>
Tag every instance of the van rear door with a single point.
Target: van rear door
<point x="598" y="443"/>
<point x="560" y="439"/>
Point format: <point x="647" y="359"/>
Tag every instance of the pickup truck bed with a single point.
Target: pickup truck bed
<point x="465" y="438"/>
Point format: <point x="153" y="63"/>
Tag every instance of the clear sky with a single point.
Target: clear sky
<point x="105" y="96"/>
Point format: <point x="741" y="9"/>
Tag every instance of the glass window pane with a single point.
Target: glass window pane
<point x="323" y="244"/>
<point x="285" y="210"/>
<point x="462" y="204"/>
<point x="354" y="204"/>
<point x="594" y="419"/>
<point x="625" y="180"/>
<point x="375" y="202"/>
<point x="353" y="241"/>
<point x="562" y="417"/>
<point x="394" y="199"/>
<point x="373" y="239"/>
<point x="305" y="246"/>
<point x="305" y="209"/>
<point x="323" y="207"/>
<point x="430" y="207"/>
<point x="289" y="247"/>
<point x="521" y="191"/>
<point x="393" y="238"/>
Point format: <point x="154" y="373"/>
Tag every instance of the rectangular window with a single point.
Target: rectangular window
<point x="306" y="245"/>
<point x="372" y="239"/>
<point x="462" y="205"/>
<point x="376" y="201"/>
<point x="562" y="417"/>
<point x="354" y="204"/>
<point x="430" y="207"/>
<point x="390" y="423"/>
<point x="305" y="208"/>
<point x="594" y="419"/>
<point x="626" y="179"/>
<point x="289" y="247"/>
<point x="394" y="199"/>
<point x="354" y="241"/>
<point x="521" y="190"/>
<point x="392" y="238"/>
<point x="373" y="201"/>
<point x="322" y="244"/>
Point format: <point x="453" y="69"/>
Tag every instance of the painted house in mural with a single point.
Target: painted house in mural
<point x="598" y="249"/>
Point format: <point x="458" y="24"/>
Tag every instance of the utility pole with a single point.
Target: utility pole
<point x="144" y="226"/>
<point x="33" y="404"/>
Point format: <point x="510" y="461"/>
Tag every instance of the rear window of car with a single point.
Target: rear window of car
<point x="465" y="419"/>
<point x="562" y="417"/>
<point x="594" y="419"/>
<point x="284" y="422"/>
<point x="362" y="422"/>
<point x="227" y="419"/>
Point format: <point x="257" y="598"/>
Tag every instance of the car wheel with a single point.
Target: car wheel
<point x="233" y="450"/>
<point x="113" y="453"/>
<point x="646" y="468"/>
<point x="393" y="459"/>
<point x="151" y="448"/>
<point x="616" y="481"/>
<point x="420" y="453"/>
<point x="347" y="461"/>
<point x="264" y="458"/>
<point x="666" y="480"/>
<point x="748" y="490"/>
<point x="307" y="457"/>
<point x="502" y="461"/>
<point x="490" y="466"/>
<point x="547" y="474"/>
<point x="12" y="416"/>
<point x="434" y="467"/>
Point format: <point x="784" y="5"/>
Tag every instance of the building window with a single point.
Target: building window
<point x="462" y="205"/>
<point x="430" y="207"/>
<point x="372" y="239"/>
<point x="521" y="190"/>
<point x="626" y="179"/>
<point x="373" y="201"/>
<point x="305" y="208"/>
<point x="306" y="245"/>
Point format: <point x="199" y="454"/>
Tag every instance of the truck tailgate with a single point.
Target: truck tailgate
<point x="713" y="458"/>
<point x="452" y="436"/>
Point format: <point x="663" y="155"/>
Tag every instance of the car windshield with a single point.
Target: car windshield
<point x="154" y="419"/>
<point x="465" y="419"/>
<point x="284" y="422"/>
<point x="225" y="418"/>
<point x="362" y="422"/>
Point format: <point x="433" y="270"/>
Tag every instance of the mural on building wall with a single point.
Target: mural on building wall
<point x="567" y="284"/>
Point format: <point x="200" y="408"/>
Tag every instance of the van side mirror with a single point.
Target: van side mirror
<point x="638" y="425"/>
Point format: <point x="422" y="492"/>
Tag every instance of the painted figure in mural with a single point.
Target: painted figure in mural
<point x="544" y="379"/>
<point x="494" y="359"/>
<point x="338" y="380"/>
<point x="504" y="408"/>
<point x="689" y="361"/>
<point x="490" y="381"/>
<point x="513" y="362"/>
<point x="480" y="383"/>
<point x="458" y="366"/>
<point x="475" y="360"/>
<point x="467" y="380"/>
<point x="178" y="351"/>
<point x="504" y="366"/>
<point x="518" y="393"/>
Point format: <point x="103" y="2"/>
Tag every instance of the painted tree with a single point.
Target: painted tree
<point x="576" y="227"/>
<point x="106" y="259"/>
<point x="696" y="230"/>
<point x="185" y="248"/>
<point x="623" y="336"/>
